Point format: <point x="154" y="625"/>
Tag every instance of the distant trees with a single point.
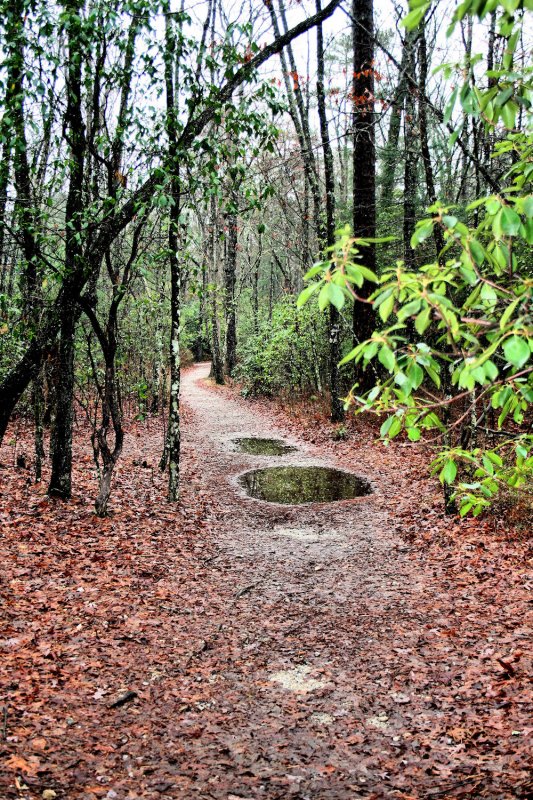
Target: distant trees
<point x="89" y="194"/>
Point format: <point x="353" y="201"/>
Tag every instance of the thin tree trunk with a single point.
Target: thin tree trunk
<point x="61" y="478"/>
<point x="390" y="154"/>
<point x="5" y="165"/>
<point x="255" y="285"/>
<point x="230" y="276"/>
<point x="410" y="163"/>
<point x="337" y="409"/>
<point x="300" y="116"/>
<point x="424" y="137"/>
<point x="217" y="367"/>
<point x="174" y="433"/>
<point x="38" y="414"/>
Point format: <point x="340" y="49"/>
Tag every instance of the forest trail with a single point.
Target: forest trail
<point x="304" y="555"/>
<point x="318" y="670"/>
<point x="340" y="648"/>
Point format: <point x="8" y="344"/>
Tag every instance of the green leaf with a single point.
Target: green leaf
<point x="517" y="351"/>
<point x="449" y="472"/>
<point x="509" y="112"/>
<point x="385" y="308"/>
<point x="423" y="320"/>
<point x="335" y="295"/>
<point x="491" y="370"/>
<point x="527" y="205"/>
<point x="478" y="254"/>
<point x="510" y="221"/>
<point x="507" y="314"/>
<point x="369" y="350"/>
<point x="385" y="426"/>
<point x="450" y="221"/>
<point x="351" y="355"/>
<point x="387" y="358"/>
<point x="413" y="434"/>
<point x="395" y="427"/>
<point x="304" y="295"/>
<point x="414" y="18"/>
<point x="409" y="309"/>
<point x="450" y="106"/>
<point x="416" y="375"/>
<point x="367" y="273"/>
<point x="466" y="505"/>
<point x="316" y="269"/>
<point x="422" y="232"/>
<point x="323" y="297"/>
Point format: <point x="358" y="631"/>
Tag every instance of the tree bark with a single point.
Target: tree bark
<point x="61" y="478"/>
<point x="230" y="276"/>
<point x="174" y="432"/>
<point x="336" y="409"/>
<point x="410" y="160"/>
<point x="390" y="154"/>
<point x="424" y="137"/>
<point x="364" y="163"/>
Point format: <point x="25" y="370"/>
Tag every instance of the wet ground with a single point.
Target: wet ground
<point x="258" y="446"/>
<point x="295" y="485"/>
<point x="340" y="662"/>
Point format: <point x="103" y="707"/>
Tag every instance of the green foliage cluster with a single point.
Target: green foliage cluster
<point x="457" y="342"/>
<point x="276" y="357"/>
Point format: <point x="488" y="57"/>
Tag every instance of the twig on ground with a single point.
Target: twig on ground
<point x="123" y="699"/>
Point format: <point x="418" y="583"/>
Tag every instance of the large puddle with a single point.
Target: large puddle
<point x="263" y="447"/>
<point x="294" y="485"/>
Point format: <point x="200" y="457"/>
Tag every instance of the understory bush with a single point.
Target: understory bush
<point x="276" y="357"/>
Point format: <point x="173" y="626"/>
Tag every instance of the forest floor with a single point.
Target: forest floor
<point x="229" y="648"/>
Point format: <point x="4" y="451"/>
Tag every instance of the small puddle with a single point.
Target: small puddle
<point x="295" y="485"/>
<point x="263" y="447"/>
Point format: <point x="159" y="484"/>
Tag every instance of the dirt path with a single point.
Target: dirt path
<point x="340" y="684"/>
<point x="227" y="648"/>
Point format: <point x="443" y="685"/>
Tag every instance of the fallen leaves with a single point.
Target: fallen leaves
<point x="28" y="766"/>
<point x="138" y="652"/>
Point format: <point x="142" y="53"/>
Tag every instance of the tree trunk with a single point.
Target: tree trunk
<point x="337" y="409"/>
<point x="410" y="164"/>
<point x="230" y="277"/>
<point x="424" y="137"/>
<point x="390" y="154"/>
<point x="38" y="415"/>
<point x="174" y="433"/>
<point x="364" y="163"/>
<point x="217" y="366"/>
<point x="61" y="478"/>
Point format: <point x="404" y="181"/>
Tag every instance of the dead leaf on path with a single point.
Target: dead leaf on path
<point x="459" y="734"/>
<point x="40" y="743"/>
<point x="29" y="766"/>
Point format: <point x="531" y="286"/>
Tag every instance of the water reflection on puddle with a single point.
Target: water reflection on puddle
<point x="263" y="447"/>
<point x="294" y="485"/>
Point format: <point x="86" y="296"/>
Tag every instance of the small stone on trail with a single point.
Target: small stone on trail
<point x="378" y="722"/>
<point x="321" y="718"/>
<point x="296" y="679"/>
<point x="400" y="698"/>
